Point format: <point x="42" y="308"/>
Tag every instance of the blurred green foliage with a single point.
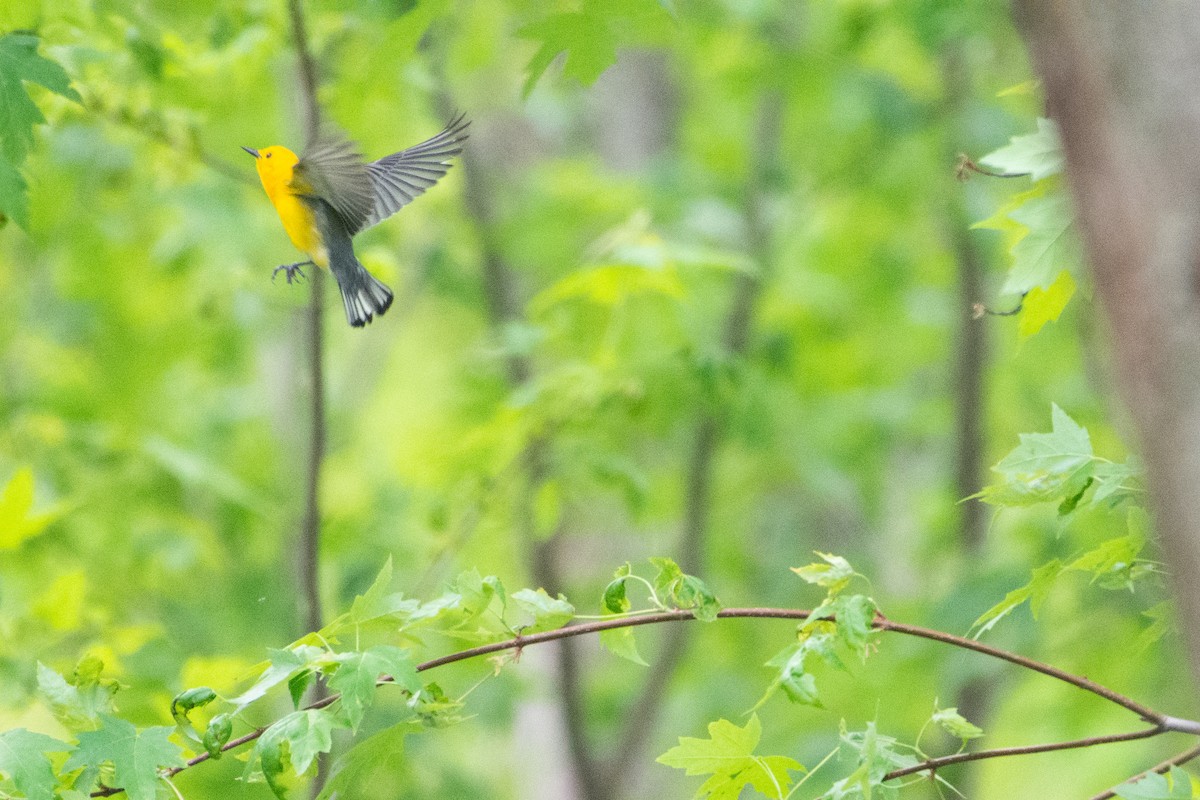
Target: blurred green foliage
<point x="153" y="383"/>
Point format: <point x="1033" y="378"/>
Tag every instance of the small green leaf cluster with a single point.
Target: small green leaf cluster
<point x="841" y="621"/>
<point x="1061" y="468"/>
<point x="874" y="755"/>
<point x="670" y="590"/>
<point x="107" y="749"/>
<point x="352" y="656"/>
<point x="1038" y="226"/>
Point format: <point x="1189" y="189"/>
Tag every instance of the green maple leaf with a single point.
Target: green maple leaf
<point x="1056" y="466"/>
<point x="20" y="63"/>
<point x="792" y="673"/>
<point x="1001" y="220"/>
<point x="1162" y="620"/>
<point x="956" y="724"/>
<point x="1114" y="563"/>
<point x="79" y="702"/>
<point x="854" y="614"/>
<point x="13" y="202"/>
<point x="23" y="760"/>
<point x="1045" y="304"/>
<point x="1048" y="247"/>
<point x="546" y="612"/>
<point x="834" y="574"/>
<point x="587" y="39"/>
<point x="1038" y="155"/>
<point x="376" y="607"/>
<point x="283" y="663"/>
<point x="136" y="756"/>
<point x="477" y="593"/>
<point x="615" y="599"/>
<point x="1118" y="482"/>
<point x="694" y="593"/>
<point x="376" y="602"/>
<point x="668" y="573"/>
<point x="357" y="674"/>
<point x="295" y="740"/>
<point x="1039" y="228"/>
<point x="684" y="591"/>
<point x="383" y="750"/>
<point x="621" y="642"/>
<point x="1036" y="592"/>
<point x="728" y="757"/>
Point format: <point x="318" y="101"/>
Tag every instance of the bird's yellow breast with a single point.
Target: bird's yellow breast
<point x="275" y="170"/>
<point x="301" y="226"/>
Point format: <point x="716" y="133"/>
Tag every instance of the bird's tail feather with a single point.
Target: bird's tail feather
<point x="364" y="296"/>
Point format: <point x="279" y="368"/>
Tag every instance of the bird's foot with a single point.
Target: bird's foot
<point x="290" y="271"/>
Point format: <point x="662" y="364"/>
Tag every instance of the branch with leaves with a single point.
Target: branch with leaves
<point x="110" y="755"/>
<point x="1038" y="227"/>
<point x="375" y="643"/>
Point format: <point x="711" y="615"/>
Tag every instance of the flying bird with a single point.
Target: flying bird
<point x="327" y="195"/>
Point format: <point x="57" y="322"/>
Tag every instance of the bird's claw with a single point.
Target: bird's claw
<point x="290" y="270"/>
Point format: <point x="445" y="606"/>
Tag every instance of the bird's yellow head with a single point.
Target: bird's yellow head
<point x="274" y="166"/>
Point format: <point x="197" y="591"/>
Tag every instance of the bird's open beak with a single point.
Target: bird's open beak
<point x="251" y="151"/>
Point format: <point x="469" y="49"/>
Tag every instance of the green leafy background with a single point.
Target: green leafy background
<point x="153" y="395"/>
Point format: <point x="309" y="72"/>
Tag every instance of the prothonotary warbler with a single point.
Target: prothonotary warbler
<point x="329" y="194"/>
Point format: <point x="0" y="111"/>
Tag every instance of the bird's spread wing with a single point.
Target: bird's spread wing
<point x="333" y="169"/>
<point x="400" y="177"/>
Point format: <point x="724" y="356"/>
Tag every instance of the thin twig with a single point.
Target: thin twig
<point x="1162" y="722"/>
<point x="1174" y="761"/>
<point x="933" y="764"/>
<point x="965" y="166"/>
<point x="1147" y="714"/>
<point x="310" y="528"/>
<point x="979" y="310"/>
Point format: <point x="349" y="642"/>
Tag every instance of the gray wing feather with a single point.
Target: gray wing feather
<point x="333" y="170"/>
<point x="401" y="177"/>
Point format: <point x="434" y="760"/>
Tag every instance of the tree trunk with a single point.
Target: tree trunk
<point x="1122" y="80"/>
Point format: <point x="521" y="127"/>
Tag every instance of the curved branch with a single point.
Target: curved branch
<point x="933" y="764"/>
<point x="1162" y="722"/>
<point x="1148" y="714"/>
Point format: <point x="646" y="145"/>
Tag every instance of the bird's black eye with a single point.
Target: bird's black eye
<point x="268" y="155"/>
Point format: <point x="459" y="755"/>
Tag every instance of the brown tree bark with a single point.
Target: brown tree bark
<point x="1123" y="82"/>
